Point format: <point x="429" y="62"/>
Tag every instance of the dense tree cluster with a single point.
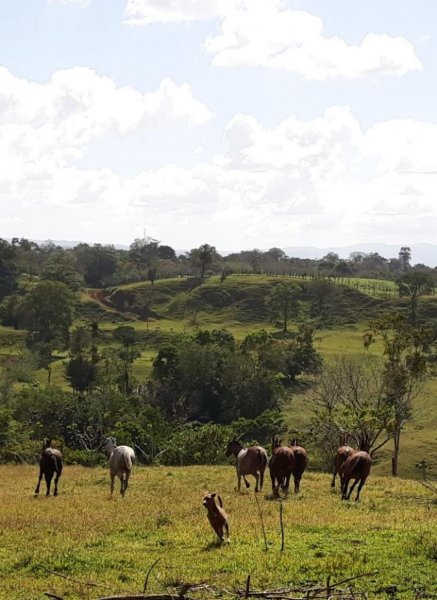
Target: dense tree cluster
<point x="205" y="385"/>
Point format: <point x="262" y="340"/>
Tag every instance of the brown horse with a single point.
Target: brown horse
<point x="356" y="467"/>
<point x="345" y="451"/>
<point x="50" y="462"/>
<point x="299" y="463"/>
<point x="280" y="466"/>
<point x="342" y="454"/>
<point x="250" y="461"/>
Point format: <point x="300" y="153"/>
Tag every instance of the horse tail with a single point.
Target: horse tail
<point x="56" y="464"/>
<point x="264" y="461"/>
<point x="128" y="461"/>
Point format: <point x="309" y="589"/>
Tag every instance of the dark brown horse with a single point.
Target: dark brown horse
<point x="299" y="463"/>
<point x="50" y="462"/>
<point x="356" y="467"/>
<point x="342" y="454"/>
<point x="345" y="451"/>
<point x="249" y="461"/>
<point x="280" y="466"/>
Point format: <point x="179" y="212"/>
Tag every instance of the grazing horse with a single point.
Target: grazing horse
<point x="250" y="461"/>
<point x="299" y="463"/>
<point x="356" y="467"/>
<point x="280" y="466"/>
<point x="50" y="462"/>
<point x="342" y="454"/>
<point x="120" y="463"/>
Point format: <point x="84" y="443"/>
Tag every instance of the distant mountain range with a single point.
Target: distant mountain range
<point x="420" y="253"/>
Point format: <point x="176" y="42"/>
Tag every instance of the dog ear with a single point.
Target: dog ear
<point x="214" y="494"/>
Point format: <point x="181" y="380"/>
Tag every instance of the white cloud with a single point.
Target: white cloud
<point x="265" y="33"/>
<point x="54" y="122"/>
<point x="82" y="3"/>
<point x="325" y="181"/>
<point x="143" y="12"/>
<point x="46" y="128"/>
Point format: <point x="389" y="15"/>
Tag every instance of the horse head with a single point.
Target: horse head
<point x="47" y="442"/>
<point x="233" y="447"/>
<point x="108" y="445"/>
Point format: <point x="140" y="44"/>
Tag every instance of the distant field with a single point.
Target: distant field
<point x="86" y="537"/>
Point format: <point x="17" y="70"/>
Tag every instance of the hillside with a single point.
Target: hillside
<point x="341" y="312"/>
<point x="239" y="304"/>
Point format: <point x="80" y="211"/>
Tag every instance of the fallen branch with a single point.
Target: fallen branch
<point x="132" y="597"/>
<point x="78" y="581"/>
<point x="281" y="524"/>
<point x="146" y="580"/>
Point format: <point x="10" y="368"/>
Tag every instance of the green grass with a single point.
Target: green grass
<point x="87" y="537"/>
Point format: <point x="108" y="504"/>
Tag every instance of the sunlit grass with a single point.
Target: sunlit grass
<point x="85" y="535"/>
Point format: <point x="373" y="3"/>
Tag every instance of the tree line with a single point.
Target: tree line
<point x="147" y="259"/>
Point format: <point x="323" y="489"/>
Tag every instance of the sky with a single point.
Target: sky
<point x="239" y="123"/>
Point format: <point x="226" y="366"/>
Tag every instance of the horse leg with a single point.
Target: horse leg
<point x="344" y="486"/>
<point x="126" y="481"/>
<point x="333" y="478"/>
<point x="296" y="483"/>
<point x="121" y="484"/>
<point x="287" y="484"/>
<point x="39" y="482"/>
<point x="273" y="485"/>
<point x="112" y="483"/>
<point x="352" y="489"/>
<point x="58" y="474"/>
<point x="48" y="478"/>
<point x="362" y="481"/>
<point x="261" y="480"/>
<point x="256" y="482"/>
<point x="246" y="483"/>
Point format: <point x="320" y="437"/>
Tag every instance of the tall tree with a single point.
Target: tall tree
<point x="97" y="262"/>
<point x="415" y="283"/>
<point x="284" y="303"/>
<point x="404" y="369"/>
<point x="203" y="257"/>
<point x="348" y="397"/>
<point x="47" y="312"/>
<point x="405" y="257"/>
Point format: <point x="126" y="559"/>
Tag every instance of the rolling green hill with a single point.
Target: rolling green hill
<point x="239" y="304"/>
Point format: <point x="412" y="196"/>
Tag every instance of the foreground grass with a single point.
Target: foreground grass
<point x="85" y="536"/>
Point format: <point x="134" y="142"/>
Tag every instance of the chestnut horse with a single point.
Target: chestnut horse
<point x="356" y="467"/>
<point x="280" y="466"/>
<point x="299" y="463"/>
<point x="50" y="462"/>
<point x="342" y="454"/>
<point x="250" y="461"/>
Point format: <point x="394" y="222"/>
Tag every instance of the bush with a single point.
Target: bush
<point x="196" y="444"/>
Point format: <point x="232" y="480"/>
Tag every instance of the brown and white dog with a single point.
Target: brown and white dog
<point x="216" y="515"/>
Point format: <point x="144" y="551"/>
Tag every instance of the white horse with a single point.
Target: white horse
<point x="120" y="463"/>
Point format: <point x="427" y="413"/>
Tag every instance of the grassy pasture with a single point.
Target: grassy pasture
<point x="85" y="536"/>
